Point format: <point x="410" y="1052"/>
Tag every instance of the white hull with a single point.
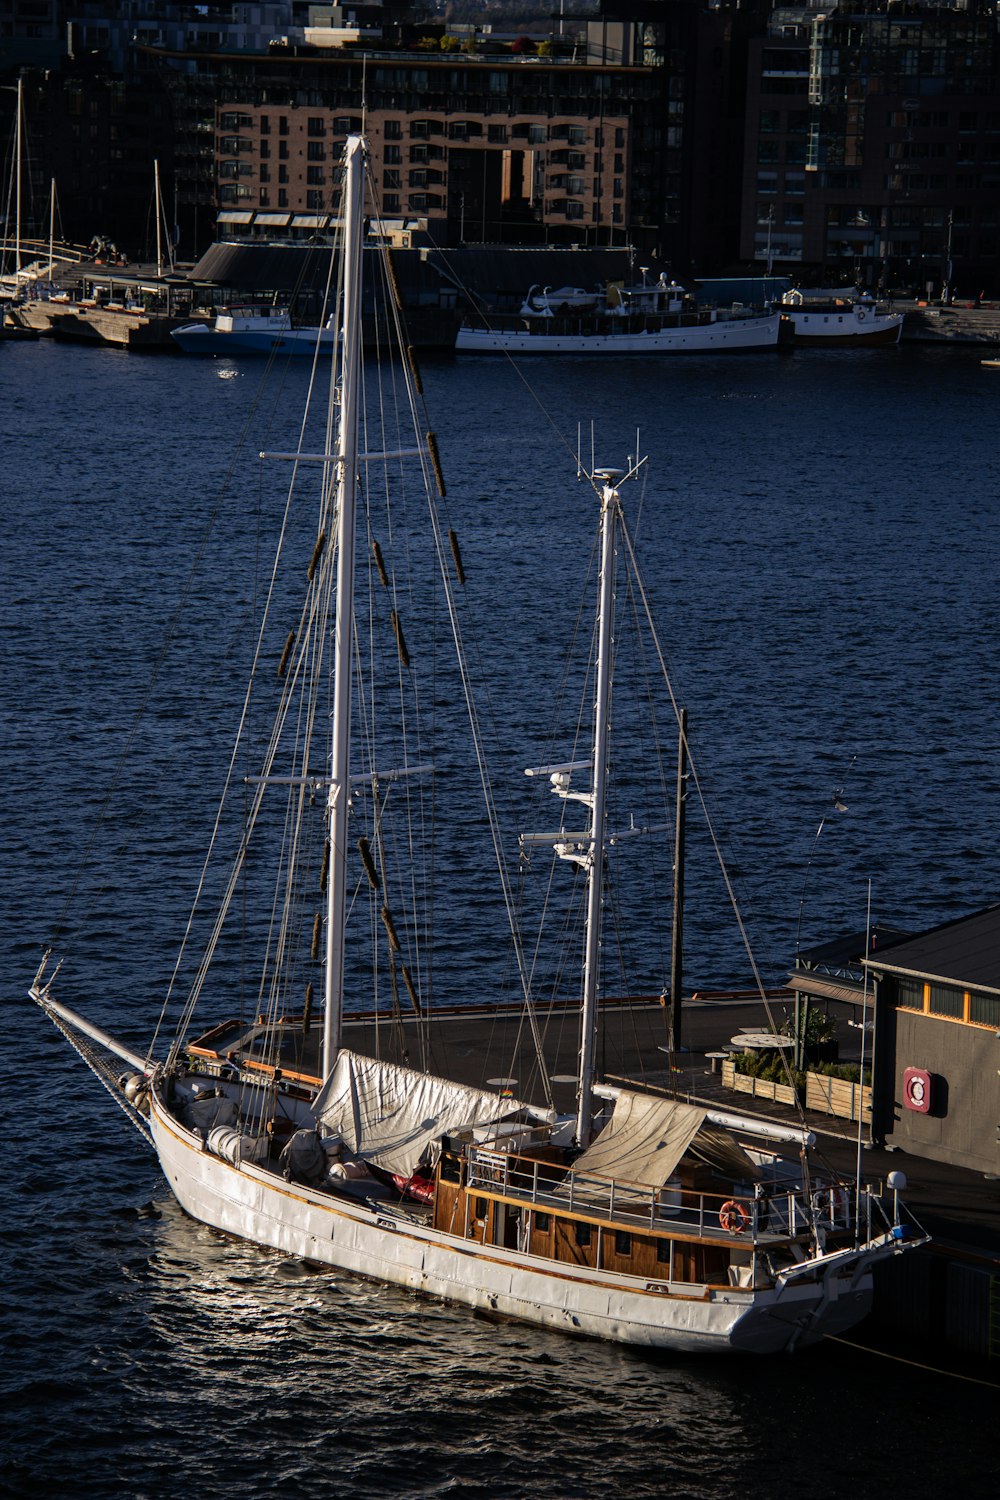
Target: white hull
<point x="377" y="1243"/>
<point x="854" y="327"/>
<point x="721" y="336"/>
<point x="199" y="338"/>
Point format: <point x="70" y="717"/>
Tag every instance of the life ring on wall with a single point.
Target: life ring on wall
<point x="862" y="315"/>
<point x="734" y="1217"/>
<point x="917" y="1090"/>
<point x="838" y="1200"/>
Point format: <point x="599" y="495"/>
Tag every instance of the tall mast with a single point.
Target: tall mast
<point x="18" y="152"/>
<point x="595" y="864"/>
<point x="347" y="476"/>
<point x="52" y="224"/>
<point x="156" y="211"/>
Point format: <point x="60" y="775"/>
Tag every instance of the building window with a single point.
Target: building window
<point x="282" y="198"/>
<point x="390" y="203"/>
<point x="910" y="994"/>
<point x="394" y="130"/>
<point x="497" y="135"/>
<point x="314" y="175"/>
<point x="316" y="125"/>
<point x="946" y="1000"/>
<point x="315" y="151"/>
<point x="314" y="198"/>
<point x="393" y="156"/>
<point x="265" y="125"/>
<point x="984" y="1010"/>
<point x="265" y="172"/>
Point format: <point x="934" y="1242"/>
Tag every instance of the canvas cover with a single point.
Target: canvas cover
<point x="646" y="1137"/>
<point x="391" y="1115"/>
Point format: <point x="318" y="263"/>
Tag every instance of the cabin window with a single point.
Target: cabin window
<point x="623" y="1242"/>
<point x="663" y="1252"/>
<point x="451" y="1170"/>
<point x="582" y="1234"/>
<point x="542" y="1222"/>
<point x="480" y="1208"/>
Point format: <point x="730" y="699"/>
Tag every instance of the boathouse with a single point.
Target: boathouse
<point x="937" y="1042"/>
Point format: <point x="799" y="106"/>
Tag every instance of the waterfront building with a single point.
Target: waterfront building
<point x="838" y="144"/>
<point x="873" y="145"/>
<point x="937" y="1042"/>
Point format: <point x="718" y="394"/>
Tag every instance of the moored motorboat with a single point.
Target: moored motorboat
<point x="634" y="1217"/>
<point x="834" y="319"/>
<point x="251" y="330"/>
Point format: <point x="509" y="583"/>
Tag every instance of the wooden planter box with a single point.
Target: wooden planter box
<point x="835" y="1096"/>
<point x="758" y="1088"/>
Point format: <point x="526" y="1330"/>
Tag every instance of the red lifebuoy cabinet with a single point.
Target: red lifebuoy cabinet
<point x="917" y="1090"/>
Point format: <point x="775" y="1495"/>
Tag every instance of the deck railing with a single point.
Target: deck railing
<point x="758" y="1215"/>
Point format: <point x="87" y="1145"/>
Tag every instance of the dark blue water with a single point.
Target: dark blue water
<point x="820" y="534"/>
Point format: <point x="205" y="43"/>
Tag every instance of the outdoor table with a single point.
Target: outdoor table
<point x="762" y="1041"/>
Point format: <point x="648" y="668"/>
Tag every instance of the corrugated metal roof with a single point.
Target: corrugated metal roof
<point x="965" y="951"/>
<point x="808" y="983"/>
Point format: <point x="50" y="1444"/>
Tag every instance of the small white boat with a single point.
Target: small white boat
<point x="834" y="319"/>
<point x="251" y="330"/>
<point x="657" y="317"/>
<point x="564" y="299"/>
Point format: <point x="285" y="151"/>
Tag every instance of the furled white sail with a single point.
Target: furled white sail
<point x="394" y="1116"/>
<point x="646" y="1137"/>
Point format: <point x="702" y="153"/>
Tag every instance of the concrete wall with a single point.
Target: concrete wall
<point x="963" y="1123"/>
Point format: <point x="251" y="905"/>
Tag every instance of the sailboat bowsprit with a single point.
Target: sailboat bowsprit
<point x="636" y="1218"/>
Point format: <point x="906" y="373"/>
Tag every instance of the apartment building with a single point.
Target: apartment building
<point x="873" y="145"/>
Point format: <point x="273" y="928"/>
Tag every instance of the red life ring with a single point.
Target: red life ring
<point x="734" y="1217"/>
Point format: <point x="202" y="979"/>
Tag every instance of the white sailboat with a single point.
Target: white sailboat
<point x="634" y="1217"/>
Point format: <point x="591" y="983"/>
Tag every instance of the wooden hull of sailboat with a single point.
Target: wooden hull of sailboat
<point x="377" y="1242"/>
